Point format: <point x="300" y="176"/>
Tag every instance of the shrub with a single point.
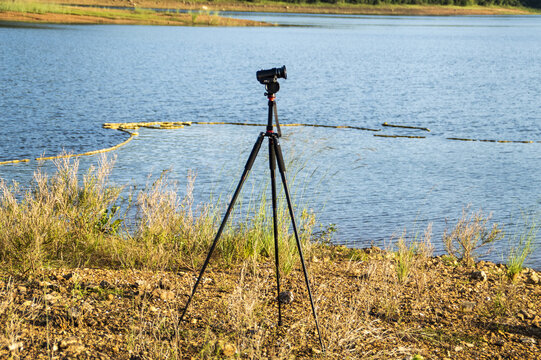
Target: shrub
<point x="470" y="234"/>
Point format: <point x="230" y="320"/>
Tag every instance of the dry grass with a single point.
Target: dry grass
<point x="471" y="233"/>
<point x="371" y="303"/>
<point x="72" y="220"/>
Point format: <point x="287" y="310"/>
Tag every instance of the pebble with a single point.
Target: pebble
<point x="286" y="297"/>
<point x="533" y="278"/>
<point x="468" y="306"/>
<point x="16" y="346"/>
<point x="229" y="349"/>
<point x="167" y="295"/>
<point x="64" y="343"/>
<point x="164" y="284"/>
<point x="74" y="312"/>
<point x="67" y="276"/>
<point x="51" y="298"/>
<point x="528" y="340"/>
<point x="479" y="275"/>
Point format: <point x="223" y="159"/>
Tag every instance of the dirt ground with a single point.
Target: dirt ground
<point x="443" y="310"/>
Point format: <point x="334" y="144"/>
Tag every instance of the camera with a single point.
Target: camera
<point x="271" y="75"/>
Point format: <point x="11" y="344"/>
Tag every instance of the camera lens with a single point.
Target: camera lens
<point x="281" y="72"/>
<point x="270" y="75"/>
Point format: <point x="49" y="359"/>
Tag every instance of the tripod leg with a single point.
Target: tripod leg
<point x="282" y="169"/>
<point x="272" y="165"/>
<point x="247" y="168"/>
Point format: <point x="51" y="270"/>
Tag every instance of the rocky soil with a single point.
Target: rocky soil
<point x="442" y="310"/>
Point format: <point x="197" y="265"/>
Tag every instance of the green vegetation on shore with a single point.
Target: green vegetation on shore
<point x="75" y="220"/>
<point x="488" y="3"/>
<point x="86" y="273"/>
<point x="206" y="13"/>
<point x="30" y="11"/>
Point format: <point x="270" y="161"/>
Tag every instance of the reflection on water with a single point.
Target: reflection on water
<point x="467" y="77"/>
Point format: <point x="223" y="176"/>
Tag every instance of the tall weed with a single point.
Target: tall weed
<point x="471" y="233"/>
<point x="521" y="245"/>
<point x="78" y="220"/>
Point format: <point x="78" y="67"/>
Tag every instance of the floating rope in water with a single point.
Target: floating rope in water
<point x="94" y="152"/>
<point x="406" y="127"/>
<point x="494" y="141"/>
<point x="166" y="125"/>
<point x="148" y="125"/>
<point x="401" y="136"/>
<point x="14" y="161"/>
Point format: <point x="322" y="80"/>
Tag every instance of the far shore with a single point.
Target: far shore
<point x="319" y="8"/>
<point x="201" y="13"/>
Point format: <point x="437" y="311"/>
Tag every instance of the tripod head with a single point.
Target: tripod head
<point x="270" y="77"/>
<point x="272" y="88"/>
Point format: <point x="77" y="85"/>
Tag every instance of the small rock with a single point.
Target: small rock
<point x="458" y="348"/>
<point x="16" y="346"/>
<point x="286" y="297"/>
<point x="139" y="284"/>
<point x="27" y="303"/>
<point x="71" y="345"/>
<point x="164" y="284"/>
<point x="533" y="278"/>
<point x="479" y="275"/>
<point x="528" y="340"/>
<point x="22" y="289"/>
<point x="44" y="284"/>
<point x="87" y="307"/>
<point x="470" y="345"/>
<point x="468" y="306"/>
<point x="65" y="343"/>
<point x="153" y="308"/>
<point x="167" y="295"/>
<point x="74" y="312"/>
<point x="229" y="349"/>
<point x="51" y="298"/>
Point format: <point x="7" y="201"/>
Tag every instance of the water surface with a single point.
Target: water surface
<point x="465" y="77"/>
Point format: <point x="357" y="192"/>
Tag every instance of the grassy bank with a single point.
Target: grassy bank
<point x="86" y="273"/>
<point x="374" y="8"/>
<point x="36" y="12"/>
<point x="203" y="13"/>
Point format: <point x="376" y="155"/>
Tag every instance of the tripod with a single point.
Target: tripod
<point x="275" y="156"/>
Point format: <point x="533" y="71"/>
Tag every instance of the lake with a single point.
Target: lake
<point x="461" y="77"/>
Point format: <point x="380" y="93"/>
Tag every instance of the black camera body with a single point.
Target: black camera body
<point x="268" y="76"/>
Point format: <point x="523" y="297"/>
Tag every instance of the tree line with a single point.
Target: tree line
<point x="526" y="3"/>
